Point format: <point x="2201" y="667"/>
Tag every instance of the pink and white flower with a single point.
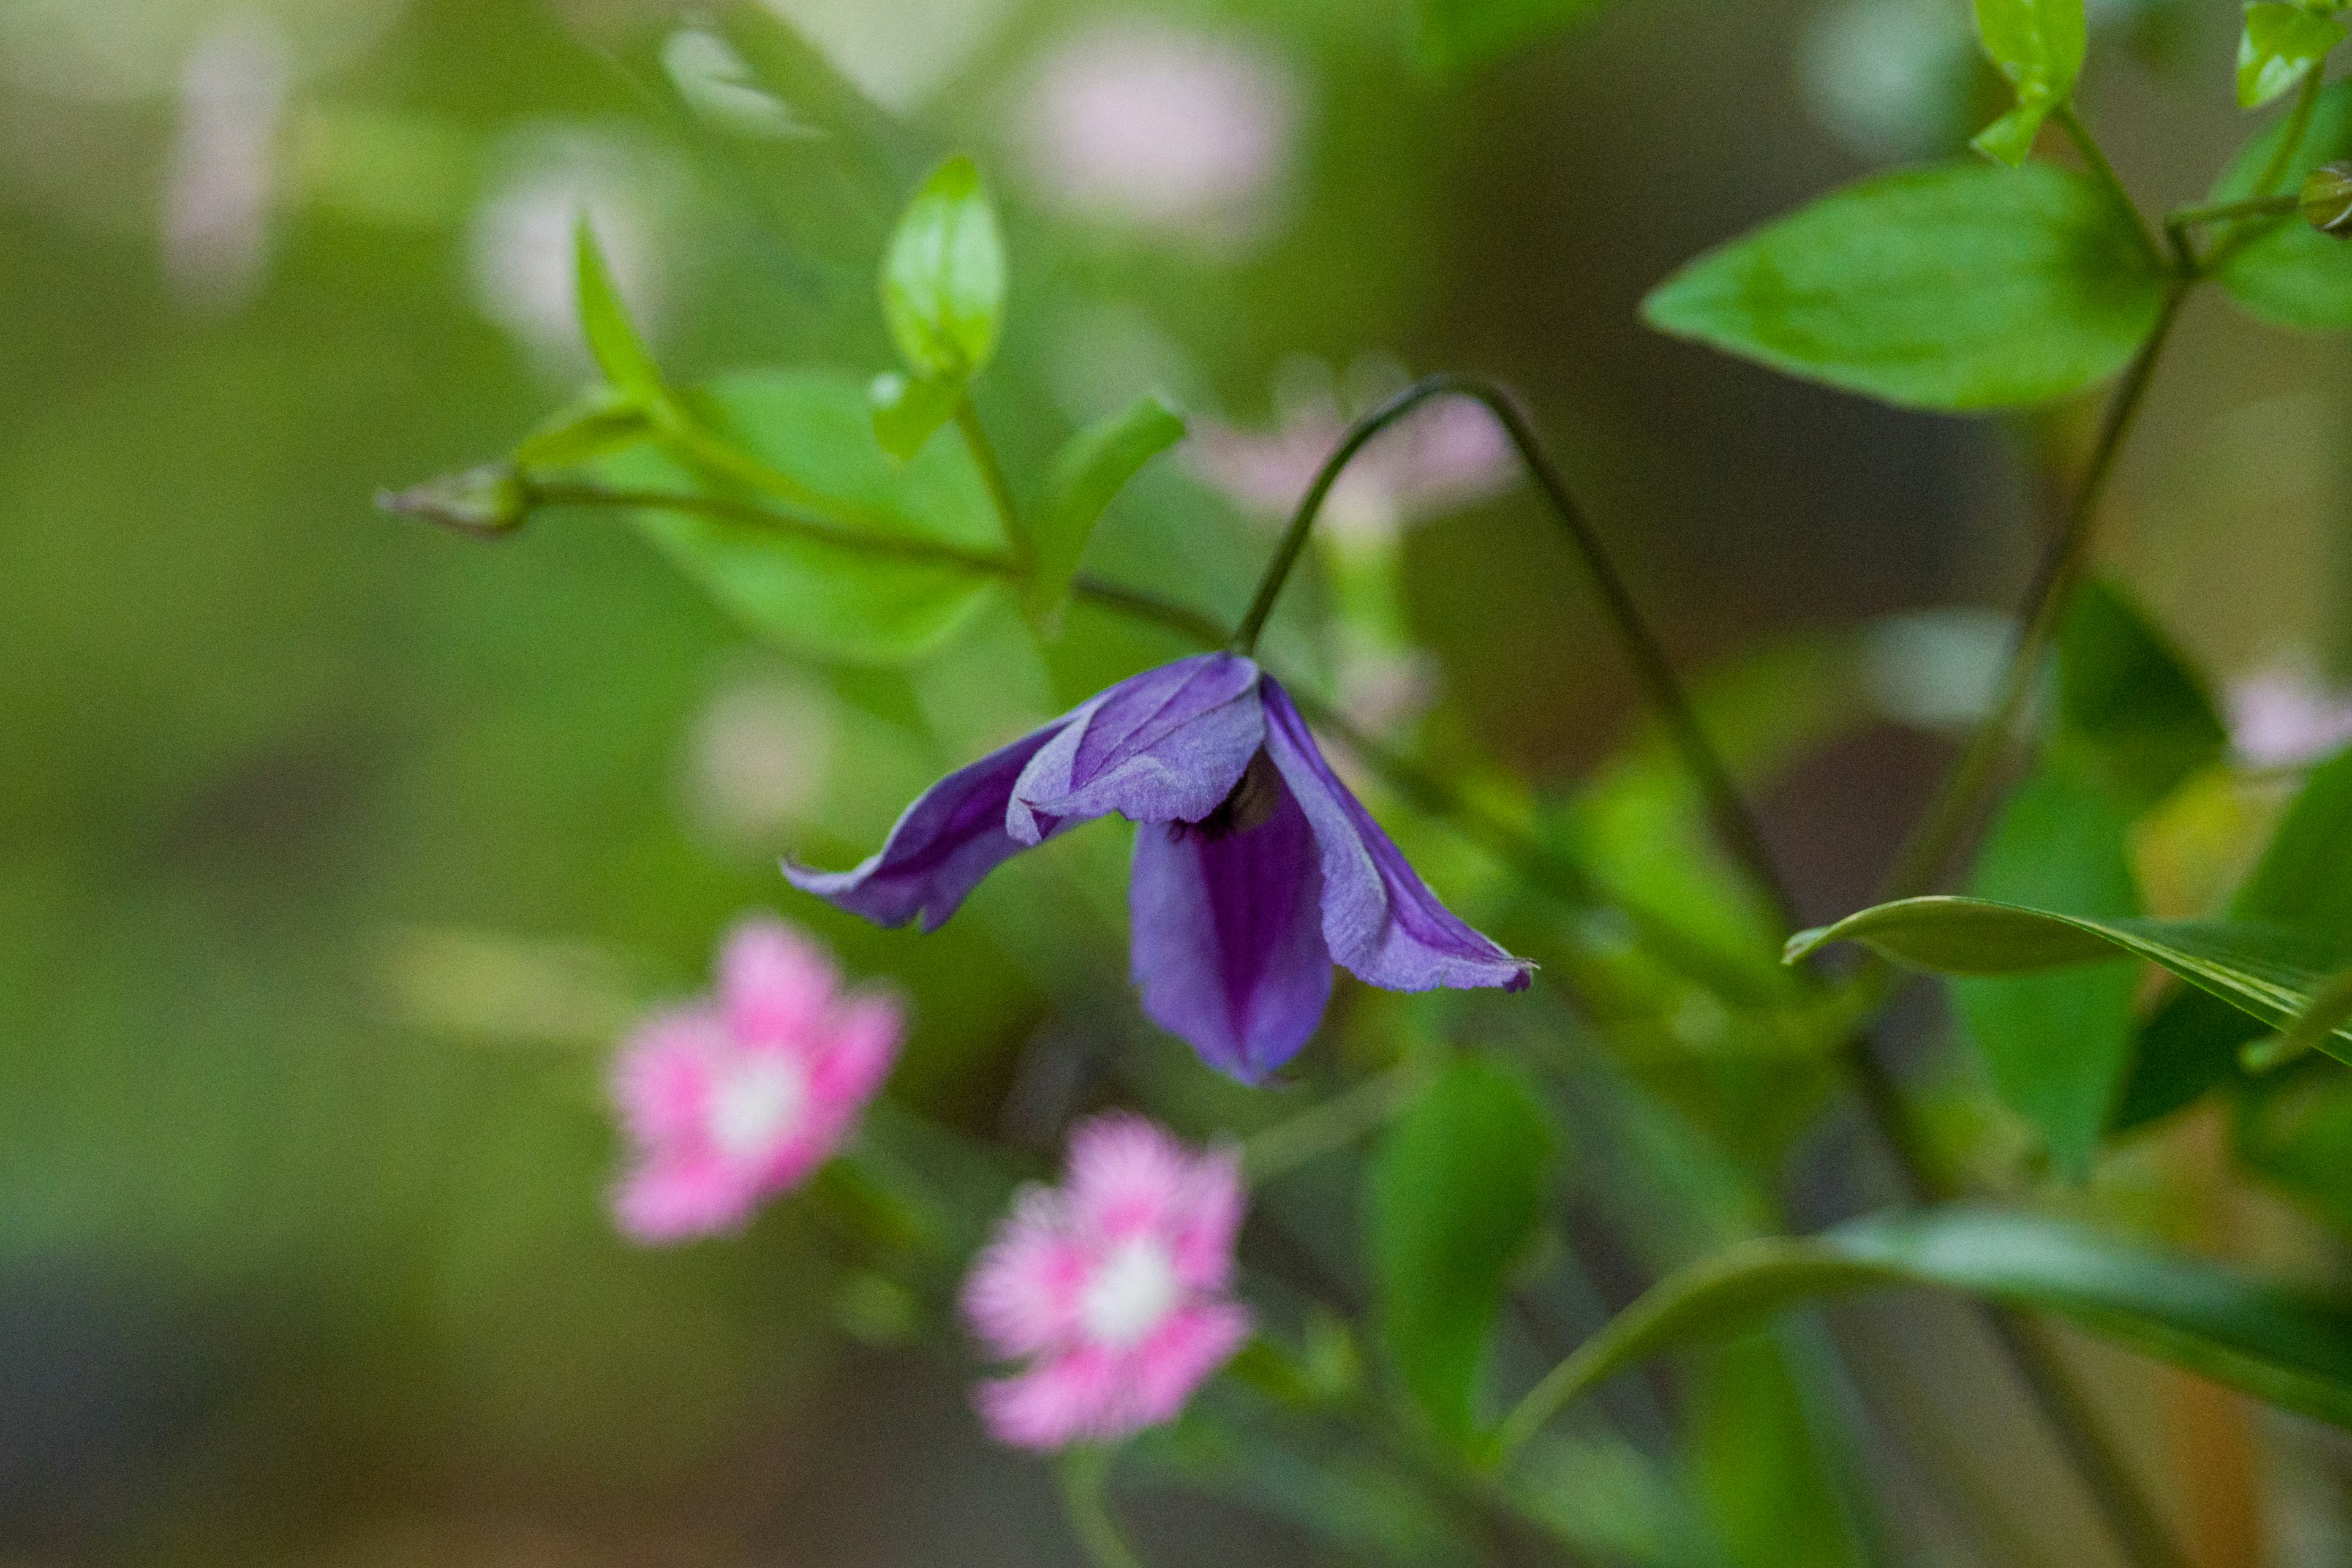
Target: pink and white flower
<point x="1112" y="1286"/>
<point x="738" y="1097"/>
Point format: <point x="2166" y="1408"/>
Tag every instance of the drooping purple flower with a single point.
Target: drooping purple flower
<point x="1256" y="868"/>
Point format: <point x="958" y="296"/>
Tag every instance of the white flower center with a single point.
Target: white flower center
<point x="1129" y="1295"/>
<point x="756" y="1105"/>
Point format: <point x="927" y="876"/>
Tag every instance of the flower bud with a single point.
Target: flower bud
<point x="487" y="501"/>
<point x="2327" y="199"/>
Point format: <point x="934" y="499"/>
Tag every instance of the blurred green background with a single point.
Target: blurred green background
<point x="334" y="851"/>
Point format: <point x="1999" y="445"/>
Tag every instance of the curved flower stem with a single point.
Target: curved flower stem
<point x="1330" y="1125"/>
<point x="1000" y="488"/>
<point x="1942" y="832"/>
<point x="2104" y="173"/>
<point x="1084" y="1475"/>
<point x="1651" y="667"/>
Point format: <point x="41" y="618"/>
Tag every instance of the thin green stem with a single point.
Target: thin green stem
<point x="775" y="520"/>
<point x="1000" y="488"/>
<point x="1942" y="832"/>
<point x="1330" y="1126"/>
<point x="1651" y="667"/>
<point x="2281" y="160"/>
<point x="2252" y="206"/>
<point x="1192" y="624"/>
<point x="1086" y="1502"/>
<point x="2103" y="170"/>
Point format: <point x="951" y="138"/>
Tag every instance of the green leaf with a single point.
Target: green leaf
<point x="598" y="425"/>
<point x="613" y="338"/>
<point x="1089" y="470"/>
<point x="2057" y="1045"/>
<point x="943" y="278"/>
<point x="2277" y="1345"/>
<point x="1456" y="1194"/>
<point x="1461" y="35"/>
<point x="2131" y="713"/>
<point x="1956" y="287"/>
<point x="815" y="429"/>
<point x="2280" y="43"/>
<point x="719" y="84"/>
<point x="2268" y="970"/>
<point x="909" y="410"/>
<point x="2303" y="883"/>
<point x="2330" y="1010"/>
<point x="2292" y="274"/>
<point x="2038" y="45"/>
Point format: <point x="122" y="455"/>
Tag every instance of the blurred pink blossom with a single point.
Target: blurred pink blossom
<point x="224" y="176"/>
<point x="1144" y="124"/>
<point x="1113" y="1287"/>
<point x="2284" y="718"/>
<point x="734" y="1098"/>
<point x="1441" y="457"/>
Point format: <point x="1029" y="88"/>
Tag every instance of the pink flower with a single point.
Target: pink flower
<point x="1112" y="1286"/>
<point x="2287" y="719"/>
<point x="732" y="1099"/>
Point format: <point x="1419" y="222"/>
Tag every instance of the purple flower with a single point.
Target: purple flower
<point x="1256" y="870"/>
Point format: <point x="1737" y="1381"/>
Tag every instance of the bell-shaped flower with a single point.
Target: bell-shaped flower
<point x="1112" y="1287"/>
<point x="1256" y="868"/>
<point x="734" y="1098"/>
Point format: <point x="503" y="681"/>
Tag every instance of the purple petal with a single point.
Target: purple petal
<point x="1168" y="746"/>
<point x="1383" y="922"/>
<point x="941" y="846"/>
<point x="1228" y="939"/>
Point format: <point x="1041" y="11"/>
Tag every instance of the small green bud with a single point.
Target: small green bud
<point x="486" y="501"/>
<point x="2327" y="199"/>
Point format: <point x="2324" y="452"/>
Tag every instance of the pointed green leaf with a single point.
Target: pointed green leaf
<point x="1456" y="1194"/>
<point x="2057" y="1044"/>
<point x="1957" y="287"/>
<point x="2330" y="1010"/>
<point x="2009" y="139"/>
<point x="598" y="425"/>
<point x="1090" y="470"/>
<point x="2268" y="970"/>
<point x="2133" y="715"/>
<point x="2291" y="1350"/>
<point x="613" y="338"/>
<point x="943" y="279"/>
<point x="2291" y="273"/>
<point x="828" y="600"/>
<point x="2280" y="43"/>
<point x="2303" y="883"/>
<point x="909" y="410"/>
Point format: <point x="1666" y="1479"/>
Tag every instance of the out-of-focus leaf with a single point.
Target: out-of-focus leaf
<point x="596" y="426"/>
<point x="2304" y="884"/>
<point x="2268" y="970"/>
<point x="2277" y="1345"/>
<point x="2280" y="43"/>
<point x="2131" y="713"/>
<point x="909" y="410"/>
<point x="2038" y="45"/>
<point x="1454" y="1197"/>
<point x="620" y="349"/>
<point x="1957" y="287"/>
<point x="719" y="85"/>
<point x="2291" y="273"/>
<point x="943" y="278"/>
<point x="1460" y="34"/>
<point x="2330" y="1010"/>
<point x="813" y="428"/>
<point x="1758" y="1466"/>
<point x="1612" y="1503"/>
<point x="2057" y="1044"/>
<point x="1089" y="470"/>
